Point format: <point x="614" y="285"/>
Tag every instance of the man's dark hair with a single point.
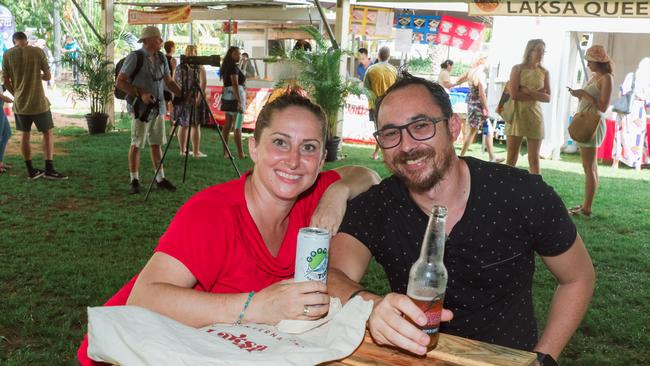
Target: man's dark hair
<point x="446" y="64"/>
<point x="19" y="36"/>
<point x="438" y="94"/>
<point x="363" y="51"/>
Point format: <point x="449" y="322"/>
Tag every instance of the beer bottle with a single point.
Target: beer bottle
<point x="428" y="275"/>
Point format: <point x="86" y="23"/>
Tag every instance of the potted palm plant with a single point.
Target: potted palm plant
<point x="318" y="73"/>
<point x="96" y="85"/>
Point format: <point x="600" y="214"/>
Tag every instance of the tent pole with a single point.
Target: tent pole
<point x="335" y="44"/>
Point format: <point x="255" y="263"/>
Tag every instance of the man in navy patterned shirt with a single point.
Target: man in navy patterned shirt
<point x="498" y="218"/>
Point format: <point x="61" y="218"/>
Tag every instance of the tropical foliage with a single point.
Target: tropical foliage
<point x="319" y="76"/>
<point x="97" y="76"/>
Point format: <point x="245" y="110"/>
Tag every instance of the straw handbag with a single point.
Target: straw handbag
<point x="583" y="126"/>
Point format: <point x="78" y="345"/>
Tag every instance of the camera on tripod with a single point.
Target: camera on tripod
<point x="213" y="60"/>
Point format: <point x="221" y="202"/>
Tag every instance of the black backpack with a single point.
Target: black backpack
<point x="119" y="93"/>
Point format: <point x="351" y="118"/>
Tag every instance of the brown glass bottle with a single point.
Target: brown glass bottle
<point x="428" y="275"/>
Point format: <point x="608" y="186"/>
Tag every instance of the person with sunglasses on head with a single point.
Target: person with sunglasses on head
<point x="229" y="254"/>
<point x="499" y="217"/>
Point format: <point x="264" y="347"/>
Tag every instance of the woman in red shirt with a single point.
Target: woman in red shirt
<point x="228" y="255"/>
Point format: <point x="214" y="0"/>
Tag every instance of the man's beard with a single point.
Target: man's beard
<point x="441" y="165"/>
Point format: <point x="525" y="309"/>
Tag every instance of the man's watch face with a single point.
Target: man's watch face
<point x="545" y="360"/>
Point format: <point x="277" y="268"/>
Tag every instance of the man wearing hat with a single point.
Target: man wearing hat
<point x="144" y="89"/>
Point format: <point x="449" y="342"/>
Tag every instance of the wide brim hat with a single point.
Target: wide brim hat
<point x="149" y="32"/>
<point x="596" y="53"/>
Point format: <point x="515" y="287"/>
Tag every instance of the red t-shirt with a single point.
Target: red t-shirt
<point x="215" y="237"/>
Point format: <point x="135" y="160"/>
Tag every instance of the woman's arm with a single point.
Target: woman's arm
<point x="543" y="95"/>
<point x="165" y="286"/>
<point x="234" y="79"/>
<point x="331" y="208"/>
<point x="6" y="99"/>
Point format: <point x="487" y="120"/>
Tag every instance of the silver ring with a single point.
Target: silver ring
<point x="305" y="311"/>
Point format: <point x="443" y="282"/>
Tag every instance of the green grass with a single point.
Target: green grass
<point x="71" y="244"/>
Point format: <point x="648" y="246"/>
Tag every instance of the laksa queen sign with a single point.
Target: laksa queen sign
<point x="576" y="8"/>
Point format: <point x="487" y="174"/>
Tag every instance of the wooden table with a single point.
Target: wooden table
<point x="451" y="351"/>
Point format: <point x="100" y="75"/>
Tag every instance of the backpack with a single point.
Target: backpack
<point x="119" y="93"/>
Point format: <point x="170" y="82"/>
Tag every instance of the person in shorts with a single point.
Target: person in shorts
<point x="24" y="70"/>
<point x="145" y="89"/>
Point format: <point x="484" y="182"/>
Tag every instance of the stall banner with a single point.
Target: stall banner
<point x="566" y="8"/>
<point x="371" y="22"/>
<point x="181" y="14"/>
<point x="255" y="100"/>
<point x="7" y="28"/>
<point x="357" y="127"/>
<point x="229" y="27"/>
<point x="425" y="27"/>
<point x="460" y="33"/>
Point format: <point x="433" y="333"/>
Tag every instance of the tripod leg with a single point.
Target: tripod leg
<point x="161" y="162"/>
<point x="223" y="141"/>
<point x="187" y="144"/>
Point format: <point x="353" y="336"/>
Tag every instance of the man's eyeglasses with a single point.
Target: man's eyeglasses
<point x="421" y="129"/>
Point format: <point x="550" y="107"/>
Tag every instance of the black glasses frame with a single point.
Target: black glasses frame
<point x="432" y="120"/>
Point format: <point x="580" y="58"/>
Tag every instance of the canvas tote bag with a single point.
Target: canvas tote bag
<point x="132" y="336"/>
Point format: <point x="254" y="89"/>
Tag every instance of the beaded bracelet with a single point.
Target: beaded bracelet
<point x="241" y="315"/>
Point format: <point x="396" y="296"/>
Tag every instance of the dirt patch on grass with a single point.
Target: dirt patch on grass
<point x="72" y="204"/>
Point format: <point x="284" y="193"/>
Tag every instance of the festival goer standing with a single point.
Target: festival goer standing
<point x="364" y="62"/>
<point x="5" y="131"/>
<point x="629" y="139"/>
<point x="71" y="53"/>
<point x="529" y="85"/>
<point x="594" y="97"/>
<point x="477" y="109"/>
<point x="24" y="70"/>
<point x="147" y="88"/>
<point x="444" y="78"/>
<point x="246" y="65"/>
<point x="191" y="109"/>
<point x="234" y="88"/>
<point x="170" y="49"/>
<point x="379" y="77"/>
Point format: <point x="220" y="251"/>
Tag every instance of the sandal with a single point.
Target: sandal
<point x="579" y="210"/>
<point x="200" y="155"/>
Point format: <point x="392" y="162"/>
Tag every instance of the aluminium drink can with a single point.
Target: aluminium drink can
<point x="311" y="254"/>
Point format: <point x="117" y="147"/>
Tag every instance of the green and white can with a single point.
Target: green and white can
<point x="311" y="254"/>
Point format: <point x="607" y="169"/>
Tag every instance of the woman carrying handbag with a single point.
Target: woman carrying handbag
<point x="594" y="97"/>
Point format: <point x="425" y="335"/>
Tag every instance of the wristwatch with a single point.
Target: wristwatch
<point x="545" y="359"/>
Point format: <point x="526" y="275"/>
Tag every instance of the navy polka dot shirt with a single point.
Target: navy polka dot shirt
<point x="489" y="254"/>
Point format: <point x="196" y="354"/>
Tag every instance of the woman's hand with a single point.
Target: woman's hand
<point x="331" y="208"/>
<point x="240" y="109"/>
<point x="524" y="89"/>
<point x="289" y="300"/>
<point x="578" y="93"/>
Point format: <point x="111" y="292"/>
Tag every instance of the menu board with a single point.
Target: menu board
<point x="424" y="27"/>
<point x="371" y="22"/>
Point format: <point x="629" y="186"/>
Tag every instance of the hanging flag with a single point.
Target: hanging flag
<point x="460" y="33"/>
<point x="181" y="14"/>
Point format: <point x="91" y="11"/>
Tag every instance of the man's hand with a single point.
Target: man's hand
<point x="388" y="324"/>
<point x="146" y="97"/>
